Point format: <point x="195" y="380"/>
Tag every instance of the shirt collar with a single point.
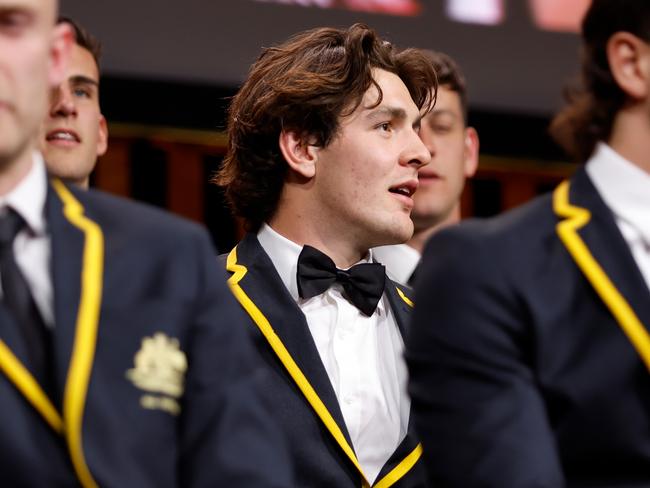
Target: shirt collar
<point x="400" y="260"/>
<point x="28" y="197"/>
<point x="284" y="256"/>
<point x="623" y="186"/>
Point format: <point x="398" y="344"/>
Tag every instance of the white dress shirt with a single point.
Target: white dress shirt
<point x="363" y="357"/>
<point x="32" y="244"/>
<point x="400" y="261"/>
<point x="625" y="188"/>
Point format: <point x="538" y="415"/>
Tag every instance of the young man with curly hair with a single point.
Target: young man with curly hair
<point x="322" y="166"/>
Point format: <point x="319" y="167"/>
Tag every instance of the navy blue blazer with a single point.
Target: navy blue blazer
<point x="156" y="384"/>
<point x="530" y="351"/>
<point x="299" y="389"/>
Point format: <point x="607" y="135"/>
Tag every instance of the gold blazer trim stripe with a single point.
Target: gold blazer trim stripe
<point x="578" y="217"/>
<point x="29" y="387"/>
<point x="85" y="340"/>
<point x="401" y="469"/>
<point x="401" y="294"/>
<point x="239" y="271"/>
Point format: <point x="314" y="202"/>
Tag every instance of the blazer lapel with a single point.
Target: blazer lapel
<point x="12" y="354"/>
<point x="66" y="269"/>
<point x="77" y="276"/>
<point x="260" y="290"/>
<point x="401" y="302"/>
<point x="621" y="286"/>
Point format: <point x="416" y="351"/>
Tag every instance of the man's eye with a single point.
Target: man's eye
<point x="13" y="21"/>
<point x="386" y="126"/>
<point x="81" y="93"/>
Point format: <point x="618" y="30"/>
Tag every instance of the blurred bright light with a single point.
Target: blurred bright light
<point x="559" y="15"/>
<point x="486" y="12"/>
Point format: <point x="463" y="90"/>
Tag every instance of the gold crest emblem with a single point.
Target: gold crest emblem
<point x="160" y="367"/>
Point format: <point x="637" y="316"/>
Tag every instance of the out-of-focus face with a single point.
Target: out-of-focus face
<point x="454" y="157"/>
<point x="32" y="58"/>
<point x="74" y="133"/>
<point x="364" y="179"/>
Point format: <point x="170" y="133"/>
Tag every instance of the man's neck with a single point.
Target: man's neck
<point x="421" y="236"/>
<point x="340" y="250"/>
<point x="12" y="172"/>
<point x="631" y="135"/>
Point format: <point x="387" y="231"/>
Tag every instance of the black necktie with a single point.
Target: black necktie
<point x="19" y="302"/>
<point x="363" y="283"/>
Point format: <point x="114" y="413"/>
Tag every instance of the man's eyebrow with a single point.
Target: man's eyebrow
<point x="443" y="111"/>
<point x="393" y="113"/>
<point x="83" y="80"/>
<point x="390" y="112"/>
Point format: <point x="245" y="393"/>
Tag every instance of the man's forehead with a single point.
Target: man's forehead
<point x="447" y="101"/>
<point x="394" y="94"/>
<point x="45" y="8"/>
<point x="82" y="63"/>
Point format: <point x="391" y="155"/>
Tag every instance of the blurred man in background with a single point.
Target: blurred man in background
<point x="121" y="360"/>
<point x="453" y="146"/>
<point x="529" y="352"/>
<point x="74" y="133"/>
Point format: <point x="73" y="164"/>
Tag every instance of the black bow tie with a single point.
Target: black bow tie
<point x="363" y="283"/>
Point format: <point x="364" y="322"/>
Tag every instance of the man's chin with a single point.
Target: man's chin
<point x="397" y="234"/>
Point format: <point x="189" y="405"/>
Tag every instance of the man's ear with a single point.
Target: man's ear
<point x="102" y="141"/>
<point x="299" y="154"/>
<point x="471" y="151"/>
<point x="629" y="61"/>
<point x="60" y="50"/>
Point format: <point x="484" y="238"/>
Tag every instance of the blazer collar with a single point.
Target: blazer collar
<point x="262" y="284"/>
<point x="605" y="259"/>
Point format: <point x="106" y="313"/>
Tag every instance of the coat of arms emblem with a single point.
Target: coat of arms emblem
<point x="159" y="367"/>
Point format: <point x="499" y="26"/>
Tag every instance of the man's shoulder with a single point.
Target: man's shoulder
<point x="527" y="225"/>
<point x="118" y="214"/>
<point x="486" y="251"/>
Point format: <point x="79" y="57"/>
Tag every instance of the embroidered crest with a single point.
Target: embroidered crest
<point x="160" y="367"/>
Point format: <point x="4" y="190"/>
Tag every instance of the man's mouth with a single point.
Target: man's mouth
<point x="428" y="176"/>
<point x="407" y="188"/>
<point x="63" y="135"/>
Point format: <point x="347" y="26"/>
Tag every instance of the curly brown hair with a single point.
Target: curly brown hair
<point x="596" y="98"/>
<point x="305" y="85"/>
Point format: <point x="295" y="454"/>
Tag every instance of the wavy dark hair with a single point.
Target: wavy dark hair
<point x="596" y="98"/>
<point x="450" y="76"/>
<point x="305" y="85"/>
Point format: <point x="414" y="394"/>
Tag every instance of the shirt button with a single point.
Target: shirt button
<point x="349" y="400"/>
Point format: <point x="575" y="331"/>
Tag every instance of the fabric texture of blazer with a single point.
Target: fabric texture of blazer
<point x="156" y="385"/>
<point x="529" y="351"/>
<point x="300" y="390"/>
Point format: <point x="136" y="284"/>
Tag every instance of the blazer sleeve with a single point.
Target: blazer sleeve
<point x="479" y="412"/>
<point x="228" y="437"/>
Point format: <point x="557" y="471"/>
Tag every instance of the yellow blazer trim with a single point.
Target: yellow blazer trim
<point x="85" y="340"/>
<point x="29" y="387"/>
<point x="401" y="294"/>
<point x="401" y="469"/>
<point x="239" y="271"/>
<point x="577" y="217"/>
